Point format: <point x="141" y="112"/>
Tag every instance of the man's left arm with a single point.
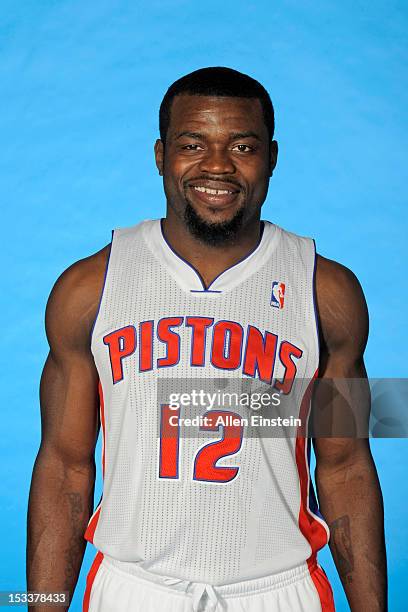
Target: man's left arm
<point x="348" y="488"/>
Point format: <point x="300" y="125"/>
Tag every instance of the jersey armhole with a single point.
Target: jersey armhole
<point x="314" y="299"/>
<point x="103" y="290"/>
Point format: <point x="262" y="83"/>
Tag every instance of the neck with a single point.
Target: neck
<point x="210" y="261"/>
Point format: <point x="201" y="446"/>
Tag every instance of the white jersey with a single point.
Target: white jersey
<point x="210" y="504"/>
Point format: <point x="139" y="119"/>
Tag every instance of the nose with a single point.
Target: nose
<point x="217" y="161"/>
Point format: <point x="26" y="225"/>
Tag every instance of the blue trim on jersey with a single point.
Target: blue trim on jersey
<point x="187" y="324"/>
<point x="206" y="289"/>
<point x="257" y="373"/>
<point x="223" y="352"/>
<point x="176" y="477"/>
<point x="312" y="500"/>
<point x="123" y="356"/>
<point x="182" y="258"/>
<point x="172" y="333"/>
<point x="315" y="302"/>
<point x="103" y="289"/>
<point x="243" y="258"/>
<point x="221" y="468"/>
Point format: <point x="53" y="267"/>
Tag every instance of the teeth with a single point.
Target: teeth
<point x="212" y="191"/>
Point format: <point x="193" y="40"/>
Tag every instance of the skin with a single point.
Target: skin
<point x="348" y="488"/>
<point x="215" y="158"/>
<point x="62" y="487"/>
<point x="61" y="495"/>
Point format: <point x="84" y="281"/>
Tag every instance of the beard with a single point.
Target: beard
<point x="213" y="234"/>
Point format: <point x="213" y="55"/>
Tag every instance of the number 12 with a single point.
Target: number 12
<point x="205" y="461"/>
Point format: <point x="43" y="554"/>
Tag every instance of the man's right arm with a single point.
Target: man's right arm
<point x="62" y="487"/>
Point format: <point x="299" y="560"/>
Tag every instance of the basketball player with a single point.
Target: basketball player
<point x="210" y="291"/>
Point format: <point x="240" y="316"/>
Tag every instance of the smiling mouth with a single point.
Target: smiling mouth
<point x="213" y="191"/>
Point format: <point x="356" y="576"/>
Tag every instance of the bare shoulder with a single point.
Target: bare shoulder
<point x="73" y="303"/>
<point x="341" y="305"/>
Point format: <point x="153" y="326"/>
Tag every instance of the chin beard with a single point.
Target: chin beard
<point x="214" y="234"/>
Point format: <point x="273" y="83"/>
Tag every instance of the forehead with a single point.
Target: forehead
<point x="189" y="112"/>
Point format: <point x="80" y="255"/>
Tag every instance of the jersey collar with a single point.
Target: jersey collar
<point x="188" y="278"/>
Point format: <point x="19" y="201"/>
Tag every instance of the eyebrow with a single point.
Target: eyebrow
<point x="249" y="134"/>
<point x="234" y="136"/>
<point x="190" y="135"/>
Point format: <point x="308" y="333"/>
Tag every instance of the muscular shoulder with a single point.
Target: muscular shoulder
<point x="342" y="309"/>
<point x="74" y="300"/>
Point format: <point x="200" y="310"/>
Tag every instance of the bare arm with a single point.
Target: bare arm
<point x="346" y="478"/>
<point x="61" y="494"/>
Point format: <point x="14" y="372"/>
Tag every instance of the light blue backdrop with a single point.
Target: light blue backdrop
<point x="81" y="83"/>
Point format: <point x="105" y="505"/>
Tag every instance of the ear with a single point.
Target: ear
<point x="273" y="156"/>
<point x="159" y="155"/>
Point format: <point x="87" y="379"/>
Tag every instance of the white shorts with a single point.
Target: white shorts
<point x="111" y="589"/>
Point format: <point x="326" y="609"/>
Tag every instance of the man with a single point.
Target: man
<point x="211" y="291"/>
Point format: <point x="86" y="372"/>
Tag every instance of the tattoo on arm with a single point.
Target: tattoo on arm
<point x="74" y="551"/>
<point x="340" y="537"/>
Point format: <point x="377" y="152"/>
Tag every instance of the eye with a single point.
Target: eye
<point x="242" y="148"/>
<point x="191" y="147"/>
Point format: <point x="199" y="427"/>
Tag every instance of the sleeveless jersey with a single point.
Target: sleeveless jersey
<point x="212" y="505"/>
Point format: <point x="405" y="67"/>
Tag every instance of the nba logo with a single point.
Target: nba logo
<point x="278" y="294"/>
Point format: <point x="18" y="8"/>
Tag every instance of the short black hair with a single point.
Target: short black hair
<point x="216" y="81"/>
